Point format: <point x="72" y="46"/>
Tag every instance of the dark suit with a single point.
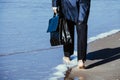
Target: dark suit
<point x="75" y="11"/>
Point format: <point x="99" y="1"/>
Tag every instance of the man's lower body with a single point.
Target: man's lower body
<point x="82" y="30"/>
<point x="81" y="43"/>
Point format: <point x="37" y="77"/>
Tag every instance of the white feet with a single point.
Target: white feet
<point x="67" y="61"/>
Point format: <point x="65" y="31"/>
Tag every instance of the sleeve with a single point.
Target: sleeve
<point x="54" y="3"/>
<point x="84" y="8"/>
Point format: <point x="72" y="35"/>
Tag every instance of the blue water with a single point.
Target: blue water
<point x="104" y="16"/>
<point x="23" y="25"/>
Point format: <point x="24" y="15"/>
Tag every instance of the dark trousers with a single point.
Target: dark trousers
<point x="81" y="41"/>
<point x="69" y="47"/>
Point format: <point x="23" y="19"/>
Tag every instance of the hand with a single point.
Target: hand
<point x="55" y="10"/>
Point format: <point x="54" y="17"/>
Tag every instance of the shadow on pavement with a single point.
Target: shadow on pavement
<point x="107" y="55"/>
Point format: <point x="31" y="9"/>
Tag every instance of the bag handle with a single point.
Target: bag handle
<point x="55" y="14"/>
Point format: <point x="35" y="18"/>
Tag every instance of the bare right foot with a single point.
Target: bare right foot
<point x="81" y="64"/>
<point x="66" y="60"/>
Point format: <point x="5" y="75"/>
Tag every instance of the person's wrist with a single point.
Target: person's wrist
<point x="54" y="9"/>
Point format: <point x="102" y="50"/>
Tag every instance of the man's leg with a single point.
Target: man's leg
<point x="84" y="9"/>
<point x="69" y="48"/>
<point x="82" y="41"/>
<point x="81" y="44"/>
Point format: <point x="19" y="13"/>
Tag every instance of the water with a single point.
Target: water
<point x="23" y="25"/>
<point x="104" y="16"/>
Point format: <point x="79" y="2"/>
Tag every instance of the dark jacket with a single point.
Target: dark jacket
<point x="75" y="10"/>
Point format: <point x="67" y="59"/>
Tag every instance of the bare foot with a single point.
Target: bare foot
<point x="66" y="60"/>
<point x="81" y="64"/>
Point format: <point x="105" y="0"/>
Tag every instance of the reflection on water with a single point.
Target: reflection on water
<point x="68" y="76"/>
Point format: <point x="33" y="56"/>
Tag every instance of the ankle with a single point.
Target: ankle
<point x="66" y="57"/>
<point x="80" y="63"/>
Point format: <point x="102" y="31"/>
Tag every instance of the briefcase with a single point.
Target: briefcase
<point x="53" y="28"/>
<point x="59" y="32"/>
